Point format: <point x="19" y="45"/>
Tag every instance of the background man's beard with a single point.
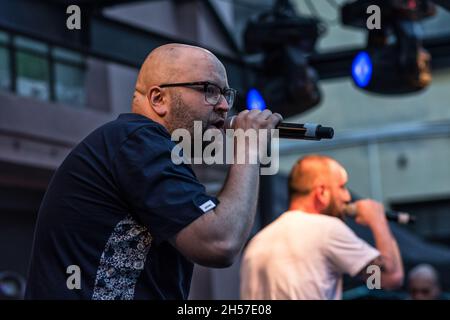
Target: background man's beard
<point x="333" y="210"/>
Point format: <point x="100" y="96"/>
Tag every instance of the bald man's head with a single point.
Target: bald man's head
<point x="308" y="172"/>
<point x="318" y="183"/>
<point x="424" y="271"/>
<point x="423" y="283"/>
<point x="179" y="105"/>
<point x="172" y="63"/>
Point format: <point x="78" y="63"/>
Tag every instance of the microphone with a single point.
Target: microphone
<point x="300" y="131"/>
<point x="399" y="217"/>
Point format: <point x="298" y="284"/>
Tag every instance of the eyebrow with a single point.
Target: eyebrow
<point x="216" y="84"/>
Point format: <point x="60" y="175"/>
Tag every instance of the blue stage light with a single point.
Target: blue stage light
<point x="362" y="69"/>
<point x="255" y="100"/>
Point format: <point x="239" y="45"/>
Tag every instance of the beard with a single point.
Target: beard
<point x="180" y="117"/>
<point x="333" y="210"/>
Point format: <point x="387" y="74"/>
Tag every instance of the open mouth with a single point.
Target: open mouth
<point x="218" y="124"/>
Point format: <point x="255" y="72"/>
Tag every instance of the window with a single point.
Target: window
<point x="69" y="71"/>
<point x="32" y="67"/>
<point x="42" y="71"/>
<point x="5" y="77"/>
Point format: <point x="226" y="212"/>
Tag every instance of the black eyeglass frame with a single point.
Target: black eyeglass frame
<point x="224" y="92"/>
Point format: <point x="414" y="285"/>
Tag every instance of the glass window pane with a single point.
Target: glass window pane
<point x="5" y="82"/>
<point x="25" y="43"/>
<point x="68" y="55"/>
<point x="32" y="76"/>
<point x="69" y="84"/>
<point x="3" y="37"/>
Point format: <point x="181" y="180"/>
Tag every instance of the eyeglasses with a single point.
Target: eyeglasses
<point x="212" y="91"/>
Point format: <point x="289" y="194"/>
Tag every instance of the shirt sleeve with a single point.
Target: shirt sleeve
<point x="164" y="196"/>
<point x="347" y="252"/>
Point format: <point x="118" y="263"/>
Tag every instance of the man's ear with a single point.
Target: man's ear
<point x="157" y="101"/>
<point x="323" y="195"/>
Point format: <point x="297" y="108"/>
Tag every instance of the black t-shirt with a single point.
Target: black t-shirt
<point x="109" y="210"/>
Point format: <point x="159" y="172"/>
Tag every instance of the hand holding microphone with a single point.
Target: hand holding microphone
<point x="253" y="119"/>
<point x="368" y="211"/>
<point x="300" y="131"/>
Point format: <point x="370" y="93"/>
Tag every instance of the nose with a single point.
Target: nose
<point x="222" y="105"/>
<point x="347" y="196"/>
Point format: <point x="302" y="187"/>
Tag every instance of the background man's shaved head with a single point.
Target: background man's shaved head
<point x="310" y="171"/>
<point x="172" y="62"/>
<point x="423" y="283"/>
<point x="424" y="271"/>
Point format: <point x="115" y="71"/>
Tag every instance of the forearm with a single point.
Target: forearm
<point x="391" y="262"/>
<point x="215" y="238"/>
<point x="238" y="200"/>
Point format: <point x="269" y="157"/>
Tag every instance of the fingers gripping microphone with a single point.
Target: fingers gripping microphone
<point x="299" y="131"/>
<point x="399" y="217"/>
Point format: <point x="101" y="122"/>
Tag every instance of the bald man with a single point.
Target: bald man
<point x="304" y="253"/>
<point x="423" y="283"/>
<point x="120" y="220"/>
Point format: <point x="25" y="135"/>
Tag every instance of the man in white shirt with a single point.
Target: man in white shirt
<point x="304" y="253"/>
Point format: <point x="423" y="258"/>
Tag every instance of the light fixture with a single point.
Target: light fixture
<point x="285" y="80"/>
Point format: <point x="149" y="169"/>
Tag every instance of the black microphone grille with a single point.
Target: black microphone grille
<point x="325" y="132"/>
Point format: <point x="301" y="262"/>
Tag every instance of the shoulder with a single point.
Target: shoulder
<point x="325" y="222"/>
<point x="133" y="141"/>
<point x="126" y="126"/>
<point x="138" y="133"/>
<point x="330" y="228"/>
<point x="338" y="227"/>
<point x="135" y="124"/>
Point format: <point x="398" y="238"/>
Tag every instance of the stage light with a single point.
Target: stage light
<point x="394" y="61"/>
<point x="12" y="286"/>
<point x="390" y="75"/>
<point x="285" y="40"/>
<point x="255" y="100"/>
<point x="362" y="69"/>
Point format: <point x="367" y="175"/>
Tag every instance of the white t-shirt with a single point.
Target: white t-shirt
<point x="302" y="256"/>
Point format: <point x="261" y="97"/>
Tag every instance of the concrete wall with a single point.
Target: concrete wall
<point x="348" y="108"/>
<point x="186" y="20"/>
<point x="373" y="167"/>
